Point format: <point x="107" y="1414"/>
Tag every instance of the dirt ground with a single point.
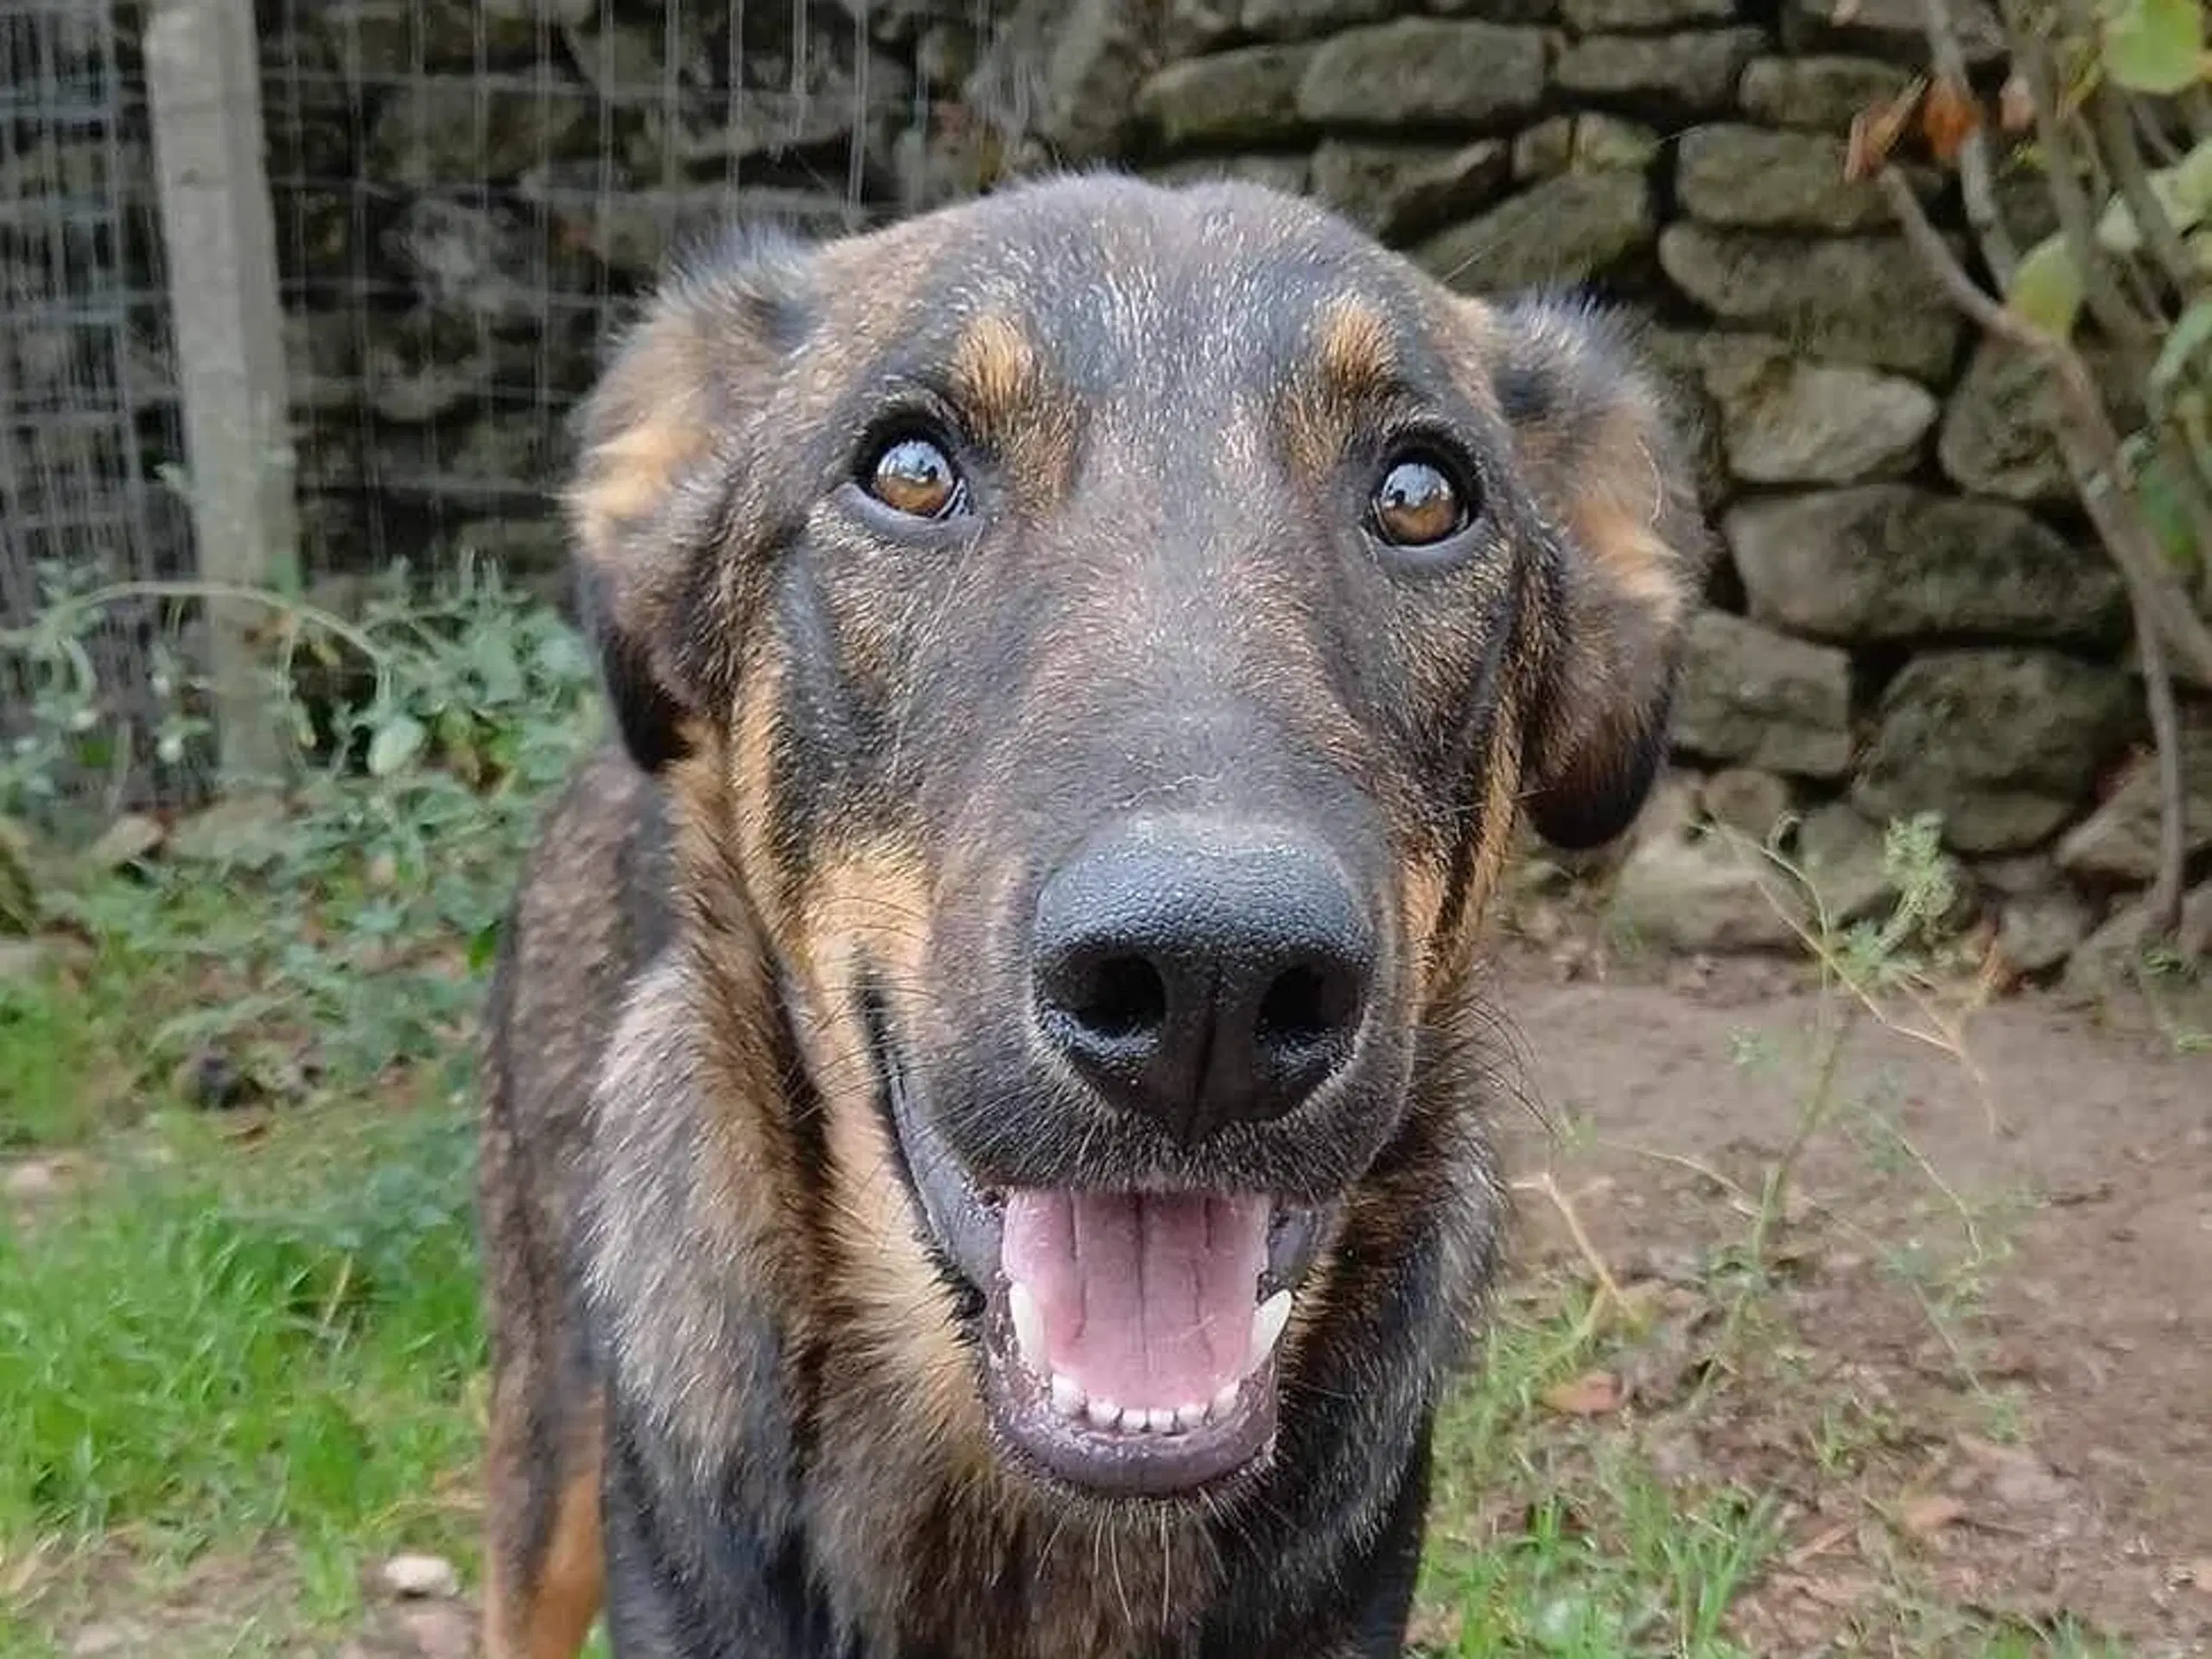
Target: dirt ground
<point x="2094" y="1186"/>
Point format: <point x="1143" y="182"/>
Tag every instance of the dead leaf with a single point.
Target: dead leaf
<point x="1949" y="118"/>
<point x="1923" y="1517"/>
<point x="2016" y="105"/>
<point x="1875" y="131"/>
<point x="1593" y="1394"/>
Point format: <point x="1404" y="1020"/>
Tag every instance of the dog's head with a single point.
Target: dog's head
<point x="1106" y="634"/>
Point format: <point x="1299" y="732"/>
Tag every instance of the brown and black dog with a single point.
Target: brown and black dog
<point x="985" y="1152"/>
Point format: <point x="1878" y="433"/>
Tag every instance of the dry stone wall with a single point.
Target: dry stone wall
<point x="1910" y="615"/>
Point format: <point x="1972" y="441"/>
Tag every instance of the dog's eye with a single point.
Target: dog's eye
<point x="914" y="476"/>
<point x="1416" y="505"/>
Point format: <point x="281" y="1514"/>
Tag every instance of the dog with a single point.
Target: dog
<point x="984" y="1149"/>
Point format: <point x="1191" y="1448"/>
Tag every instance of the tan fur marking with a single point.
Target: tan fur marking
<point x="1353" y="360"/>
<point x="632" y="473"/>
<point x="1355" y="352"/>
<point x="995" y="368"/>
<point x="549" y="1616"/>
<point x="1615" y="519"/>
<point x="573" y="1581"/>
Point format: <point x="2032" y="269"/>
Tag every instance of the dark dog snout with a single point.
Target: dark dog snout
<point x="1199" y="983"/>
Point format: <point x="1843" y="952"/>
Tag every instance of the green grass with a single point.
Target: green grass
<point x="218" y="1342"/>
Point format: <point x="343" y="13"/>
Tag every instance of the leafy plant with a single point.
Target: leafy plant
<point x="2109" y="102"/>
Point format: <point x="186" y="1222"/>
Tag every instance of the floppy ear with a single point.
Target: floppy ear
<point x="1609" y="463"/>
<point x="657" y="503"/>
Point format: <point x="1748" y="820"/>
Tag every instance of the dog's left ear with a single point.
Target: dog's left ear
<point x="1608" y="463"/>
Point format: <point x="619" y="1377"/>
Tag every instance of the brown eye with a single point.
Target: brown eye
<point x="1415" y="506"/>
<point x="913" y="476"/>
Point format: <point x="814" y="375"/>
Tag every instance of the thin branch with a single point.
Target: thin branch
<point x="2116" y="136"/>
<point x="2163" y="905"/>
<point x="1975" y="182"/>
<point x="2077" y="222"/>
<point x="2085" y="432"/>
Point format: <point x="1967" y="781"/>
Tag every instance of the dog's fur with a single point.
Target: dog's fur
<point x="736" y="1396"/>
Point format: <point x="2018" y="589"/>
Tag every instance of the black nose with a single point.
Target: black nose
<point x="1198" y="980"/>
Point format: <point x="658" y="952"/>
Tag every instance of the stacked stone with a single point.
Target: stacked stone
<point x="1911" y="615"/>
<point x="467" y="191"/>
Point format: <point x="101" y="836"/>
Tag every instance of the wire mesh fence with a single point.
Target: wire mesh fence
<point x="88" y="418"/>
<point x="468" y="194"/>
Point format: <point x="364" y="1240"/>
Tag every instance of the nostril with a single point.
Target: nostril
<point x="1307" y="1007"/>
<point x="1118" y="998"/>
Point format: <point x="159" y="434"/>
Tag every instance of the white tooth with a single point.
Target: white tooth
<point x="1225" y="1402"/>
<point x="1134" y="1420"/>
<point x="1163" y="1420"/>
<point x="1028" y="1326"/>
<point x="1067" y="1398"/>
<point x="1188" y="1417"/>
<point x="1267" y="1321"/>
<point x="1104" y="1414"/>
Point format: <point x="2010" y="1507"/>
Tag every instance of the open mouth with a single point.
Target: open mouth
<point x="1128" y="1340"/>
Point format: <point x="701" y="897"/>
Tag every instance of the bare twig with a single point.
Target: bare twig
<point x="2163" y="905"/>
<point x="2085" y="432"/>
<point x="1548" y="1185"/>
<point x="2115" y="130"/>
<point x="2100" y="293"/>
<point x="1975" y="180"/>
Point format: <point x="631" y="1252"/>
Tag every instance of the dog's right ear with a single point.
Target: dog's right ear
<point x="657" y="505"/>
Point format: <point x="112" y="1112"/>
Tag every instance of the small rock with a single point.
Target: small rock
<point x="1762" y="699"/>
<point x="2004" y="743"/>
<point x="1423" y="72"/>
<point x="1397" y="191"/>
<point x="1583" y="143"/>
<point x="2118" y="843"/>
<point x="1860" y="299"/>
<point x="1892" y="561"/>
<point x="1731" y="175"/>
<point x="1785" y="421"/>
<point x="1292" y="174"/>
<point x="1822" y="93"/>
<point x="422" y="1577"/>
<point x="1245" y="97"/>
<point x="1895" y="29"/>
<point x="34" y="1181"/>
<point x="2021" y="877"/>
<point x="1593" y="1395"/>
<point x="1642" y="17"/>
<point x="1748" y="801"/>
<point x="1568" y="228"/>
<point x="1666" y="79"/>
<point x="1842" y="858"/>
<point x="2038" y="931"/>
<point x="1283" y="20"/>
<point x="2106" y="962"/>
<point x="1702" y="893"/>
<point x="131" y="838"/>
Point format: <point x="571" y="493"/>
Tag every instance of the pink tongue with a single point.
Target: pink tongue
<point x="1147" y="1298"/>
